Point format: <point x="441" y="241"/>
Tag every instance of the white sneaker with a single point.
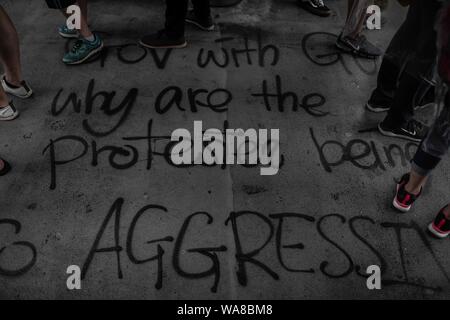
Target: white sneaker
<point x="8" y="113"/>
<point x="23" y="92"/>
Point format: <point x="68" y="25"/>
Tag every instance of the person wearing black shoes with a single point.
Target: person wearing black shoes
<point x="316" y="7"/>
<point x="437" y="143"/>
<point x="172" y="36"/>
<point x="405" y="79"/>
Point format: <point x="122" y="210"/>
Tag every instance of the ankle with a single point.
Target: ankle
<point x="14" y="81"/>
<point x="446" y="212"/>
<point x="413" y="190"/>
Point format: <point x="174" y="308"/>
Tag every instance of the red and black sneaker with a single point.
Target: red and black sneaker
<point x="404" y="200"/>
<point x="440" y="227"/>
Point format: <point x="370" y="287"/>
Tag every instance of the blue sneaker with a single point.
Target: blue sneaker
<point x="83" y="50"/>
<point x="65" y="32"/>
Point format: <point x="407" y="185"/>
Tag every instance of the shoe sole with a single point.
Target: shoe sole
<point x="28" y="95"/>
<point x="397" y="205"/>
<point x="90" y="55"/>
<point x="376" y="110"/>
<point x="393" y="135"/>
<point x="14" y="116"/>
<point x="198" y="25"/>
<point x="437" y="233"/>
<point x="354" y="52"/>
<point x="67" y="36"/>
<point x="177" y="46"/>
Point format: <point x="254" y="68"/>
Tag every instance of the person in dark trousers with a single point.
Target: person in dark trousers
<point x="177" y="14"/>
<point x="406" y="77"/>
<point x="437" y="143"/>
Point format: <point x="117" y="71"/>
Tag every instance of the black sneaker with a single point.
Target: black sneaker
<point x="316" y="7"/>
<point x="413" y="131"/>
<point x="161" y="40"/>
<point x="359" y="46"/>
<point x="404" y="200"/>
<point x="440" y="227"/>
<point x="206" y="25"/>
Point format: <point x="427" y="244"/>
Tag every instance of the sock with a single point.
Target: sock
<point x="91" y="38"/>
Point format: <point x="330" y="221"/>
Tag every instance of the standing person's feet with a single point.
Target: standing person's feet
<point x="359" y="46"/>
<point x="161" y="40"/>
<point x="204" y="24"/>
<point x="22" y="91"/>
<point x="440" y="227"/>
<point x="65" y="32"/>
<point x="404" y="200"/>
<point x="380" y="102"/>
<point x="4" y="167"/>
<point x="413" y="130"/>
<point x="8" y="112"/>
<point x="316" y="7"/>
<point x="83" y="50"/>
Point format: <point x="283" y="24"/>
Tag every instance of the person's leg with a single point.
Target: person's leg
<point x="350" y="39"/>
<point x="418" y="29"/>
<point x="396" y="54"/>
<point x="89" y="44"/>
<point x="9" y="50"/>
<point x="402" y="109"/>
<point x="387" y="84"/>
<point x="432" y="149"/>
<point x="172" y="36"/>
<point x="176" y="11"/>
<point x="200" y="16"/>
<point x="84" y="30"/>
<point x="12" y="82"/>
<point x="202" y="9"/>
<point x="356" y="16"/>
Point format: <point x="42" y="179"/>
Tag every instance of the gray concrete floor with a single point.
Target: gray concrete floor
<point x="341" y="220"/>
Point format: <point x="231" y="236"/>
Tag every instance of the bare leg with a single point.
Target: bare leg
<point x="356" y="16"/>
<point x="9" y="49"/>
<point x="84" y="30"/>
<point x="416" y="183"/>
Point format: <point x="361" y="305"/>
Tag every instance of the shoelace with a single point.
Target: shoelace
<point x="414" y="126"/>
<point x="77" y="45"/>
<point x="319" y="3"/>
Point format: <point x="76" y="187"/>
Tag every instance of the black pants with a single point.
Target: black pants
<point x="59" y="4"/>
<point x="409" y="59"/>
<point x="176" y="14"/>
